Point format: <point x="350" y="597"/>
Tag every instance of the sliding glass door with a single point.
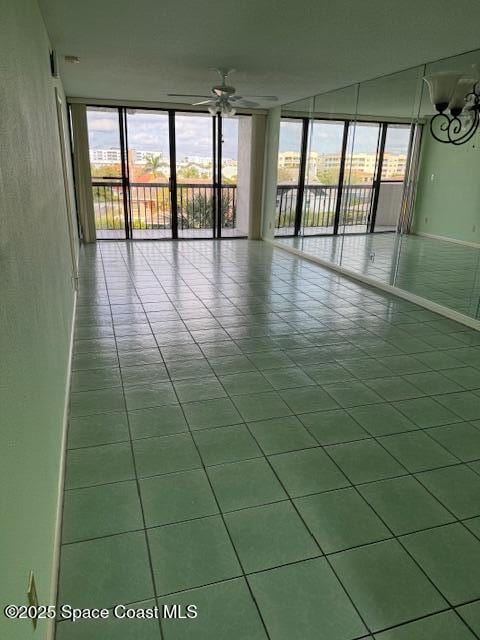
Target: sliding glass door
<point x="165" y="174"/>
<point x="288" y="174"/>
<point x="324" y="168"/>
<point x="360" y="177"/>
<point x="106" y="167"/>
<point x="235" y="176"/>
<point x="195" y="174"/>
<point x="148" y="143"/>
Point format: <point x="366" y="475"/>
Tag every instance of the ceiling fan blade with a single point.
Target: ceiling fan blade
<point x="186" y="95"/>
<point x="197" y="104"/>
<point x="272" y="98"/>
<point x="246" y="103"/>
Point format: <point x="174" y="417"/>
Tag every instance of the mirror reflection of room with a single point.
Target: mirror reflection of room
<point x="382" y="179"/>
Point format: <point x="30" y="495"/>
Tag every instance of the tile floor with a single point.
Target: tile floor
<point x="293" y="452"/>
<point x="441" y="271"/>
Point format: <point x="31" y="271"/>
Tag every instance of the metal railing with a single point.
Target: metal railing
<point x="150" y="205"/>
<point x="108" y="205"/>
<point x="356" y="205"/>
<point x="319" y="205"/>
<point x="195" y="205"/>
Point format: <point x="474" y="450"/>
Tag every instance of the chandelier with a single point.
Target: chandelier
<point x="457" y="101"/>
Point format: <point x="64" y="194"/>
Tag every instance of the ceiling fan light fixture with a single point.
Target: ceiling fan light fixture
<point x="227" y="109"/>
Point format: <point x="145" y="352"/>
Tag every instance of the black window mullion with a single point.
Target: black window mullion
<point x="378" y="178"/>
<point x="173" y="173"/>
<point x="122" y="122"/>
<point x="218" y="188"/>
<point x="341" y="178"/>
<point x="213" y="190"/>
<point x="301" y="177"/>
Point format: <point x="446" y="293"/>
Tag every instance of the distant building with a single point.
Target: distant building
<point x="141" y="157"/>
<point x="394" y="165"/>
<point x="113" y="156"/>
<point x="105" y="156"/>
<point x="198" y="160"/>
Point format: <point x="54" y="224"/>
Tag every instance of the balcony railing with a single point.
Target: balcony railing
<point x="150" y="205"/>
<point x="319" y="205"/>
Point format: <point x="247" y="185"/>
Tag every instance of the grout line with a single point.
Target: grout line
<point x="224" y="524"/>
<point x="147" y="542"/>
<point x="375" y="356"/>
<point x="294" y="506"/>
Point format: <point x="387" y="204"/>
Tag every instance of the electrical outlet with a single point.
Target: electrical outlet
<point x="432" y="177"/>
<point x="474" y="228"/>
<point x="426" y="220"/>
<point x="32" y="596"/>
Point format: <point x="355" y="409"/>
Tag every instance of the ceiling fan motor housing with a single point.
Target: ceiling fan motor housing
<point x="223" y="90"/>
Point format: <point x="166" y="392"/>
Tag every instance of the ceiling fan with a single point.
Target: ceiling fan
<point x="224" y="98"/>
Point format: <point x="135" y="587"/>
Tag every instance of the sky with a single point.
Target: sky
<point x="326" y="137"/>
<point x="149" y="132"/>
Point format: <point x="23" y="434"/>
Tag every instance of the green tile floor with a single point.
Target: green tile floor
<point x="293" y="452"/>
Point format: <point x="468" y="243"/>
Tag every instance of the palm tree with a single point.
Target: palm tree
<point x="152" y="163"/>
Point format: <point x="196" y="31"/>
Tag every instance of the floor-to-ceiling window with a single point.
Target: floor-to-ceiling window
<point x="165" y="174"/>
<point x="148" y="155"/>
<point x="324" y="168"/>
<point x="108" y="184"/>
<point x="360" y="177"/>
<point x="232" y="137"/>
<point x="340" y="176"/>
<point x="289" y="165"/>
<point x="195" y="164"/>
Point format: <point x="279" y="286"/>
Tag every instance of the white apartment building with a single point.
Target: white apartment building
<point x="113" y="156"/>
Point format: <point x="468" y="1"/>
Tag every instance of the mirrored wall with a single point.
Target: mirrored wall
<point x="363" y="183"/>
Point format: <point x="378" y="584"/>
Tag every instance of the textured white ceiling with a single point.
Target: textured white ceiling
<point x="144" y="49"/>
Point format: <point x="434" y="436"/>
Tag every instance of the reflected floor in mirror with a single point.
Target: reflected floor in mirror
<point x="441" y="271"/>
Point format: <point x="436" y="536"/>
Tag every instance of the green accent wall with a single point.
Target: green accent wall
<point x="448" y="194"/>
<point x="37" y="303"/>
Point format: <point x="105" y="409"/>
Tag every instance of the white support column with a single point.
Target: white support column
<point x="243" y="176"/>
<point x="83" y="177"/>
<point x="256" y="175"/>
<point x="269" y="196"/>
<point x="251" y="152"/>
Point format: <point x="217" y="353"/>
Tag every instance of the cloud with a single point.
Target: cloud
<point x="149" y="132"/>
<point x="102" y="124"/>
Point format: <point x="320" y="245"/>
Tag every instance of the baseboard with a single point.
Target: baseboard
<point x="475" y="245"/>
<point x="61" y="479"/>
<point x="456" y="316"/>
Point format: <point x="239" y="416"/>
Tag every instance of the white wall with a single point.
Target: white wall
<point x="37" y="300"/>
